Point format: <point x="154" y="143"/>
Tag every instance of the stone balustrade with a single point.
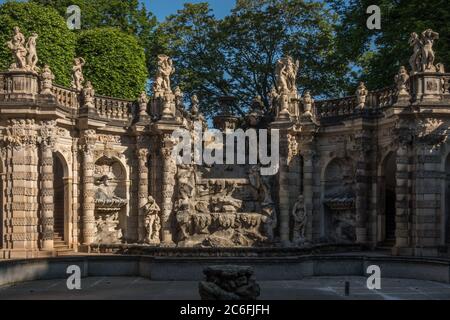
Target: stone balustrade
<point x="114" y="109"/>
<point x="66" y="97"/>
<point x="335" y="107"/>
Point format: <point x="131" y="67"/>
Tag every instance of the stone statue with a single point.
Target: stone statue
<point x="32" y="58"/>
<point x="428" y="37"/>
<point x="143" y="101"/>
<point x="422" y="59"/>
<point x="47" y="77"/>
<point x="261" y="185"/>
<point x="178" y="97"/>
<point x="300" y="219"/>
<point x="17" y="46"/>
<point x="401" y="80"/>
<point x="361" y="95"/>
<point x="307" y="102"/>
<point x="286" y="75"/>
<point x="165" y="70"/>
<point x="88" y="95"/>
<point x="77" y="74"/>
<point x="186" y="185"/>
<point x="415" y="60"/>
<point x="152" y="220"/>
<point x="273" y="97"/>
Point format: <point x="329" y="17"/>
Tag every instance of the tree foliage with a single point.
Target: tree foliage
<point x="379" y="53"/>
<point x="237" y="55"/>
<point x="115" y="62"/>
<point x="55" y="45"/>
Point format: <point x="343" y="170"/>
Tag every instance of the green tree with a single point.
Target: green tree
<point x="378" y="54"/>
<point x="237" y="55"/>
<point x="129" y="15"/>
<point x="115" y="62"/>
<point x="55" y="45"/>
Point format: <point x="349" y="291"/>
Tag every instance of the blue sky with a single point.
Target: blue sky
<point x="163" y="8"/>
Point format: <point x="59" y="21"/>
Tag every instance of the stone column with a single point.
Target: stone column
<point x="168" y="186"/>
<point x="142" y="154"/>
<point x="88" y="220"/>
<point x="47" y="196"/>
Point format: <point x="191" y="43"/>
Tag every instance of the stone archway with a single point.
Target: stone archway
<point x="388" y="199"/>
<point x="61" y="204"/>
<point x="447" y="200"/>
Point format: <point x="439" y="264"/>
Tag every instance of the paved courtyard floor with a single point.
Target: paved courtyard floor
<point x="326" y="288"/>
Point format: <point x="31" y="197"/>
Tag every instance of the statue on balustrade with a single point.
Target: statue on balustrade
<point x="165" y="70"/>
<point x="88" y="95"/>
<point x="143" y="101"/>
<point x="401" y="80"/>
<point x="286" y="75"/>
<point x="47" y="77"/>
<point x="32" y="57"/>
<point x="361" y="95"/>
<point x="428" y="38"/>
<point x="307" y="102"/>
<point x="77" y="74"/>
<point x="422" y="59"/>
<point x="152" y="220"/>
<point x="17" y="46"/>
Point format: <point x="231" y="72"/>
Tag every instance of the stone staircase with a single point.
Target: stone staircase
<point x="60" y="246"/>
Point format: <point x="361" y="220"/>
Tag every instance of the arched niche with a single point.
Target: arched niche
<point x="62" y="201"/>
<point x="111" y="200"/>
<point x="339" y="200"/>
<point x="387" y="199"/>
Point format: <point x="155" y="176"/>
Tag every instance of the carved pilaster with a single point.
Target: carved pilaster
<point x="48" y="136"/>
<point x="142" y="154"/>
<point x="169" y="171"/>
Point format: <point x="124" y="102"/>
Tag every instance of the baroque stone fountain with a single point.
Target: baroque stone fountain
<point x="107" y="209"/>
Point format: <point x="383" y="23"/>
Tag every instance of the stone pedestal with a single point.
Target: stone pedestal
<point x="427" y="87"/>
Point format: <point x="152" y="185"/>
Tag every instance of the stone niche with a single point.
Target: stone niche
<point x="339" y="201"/>
<point x="110" y="200"/>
